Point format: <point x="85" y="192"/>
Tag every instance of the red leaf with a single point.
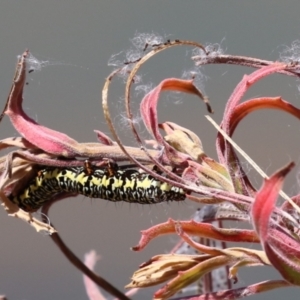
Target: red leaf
<point x="282" y="249"/>
<point x="148" y="110"/>
<point x="49" y="140"/>
<point x="265" y="200"/>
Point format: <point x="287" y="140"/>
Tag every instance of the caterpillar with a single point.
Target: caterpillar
<point x="106" y="183"/>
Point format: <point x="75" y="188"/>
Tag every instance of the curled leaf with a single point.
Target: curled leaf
<point x="282" y="249"/>
<point x="264" y="203"/>
<point x="148" y="110"/>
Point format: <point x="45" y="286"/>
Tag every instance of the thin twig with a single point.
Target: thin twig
<point x="74" y="260"/>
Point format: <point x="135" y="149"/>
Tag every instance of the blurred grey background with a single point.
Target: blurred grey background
<point x="75" y="40"/>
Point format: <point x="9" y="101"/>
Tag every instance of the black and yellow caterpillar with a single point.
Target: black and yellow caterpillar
<point x="114" y="185"/>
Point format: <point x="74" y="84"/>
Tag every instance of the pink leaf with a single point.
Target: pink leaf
<point x="90" y="260"/>
<point x="282" y="249"/>
<point x="148" y="109"/>
<point x="50" y="141"/>
<point x="265" y="199"/>
<point x="103" y="138"/>
<point x="149" y="103"/>
<point x="196" y="229"/>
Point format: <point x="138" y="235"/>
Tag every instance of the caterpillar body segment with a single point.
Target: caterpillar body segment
<point x="106" y="183"/>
